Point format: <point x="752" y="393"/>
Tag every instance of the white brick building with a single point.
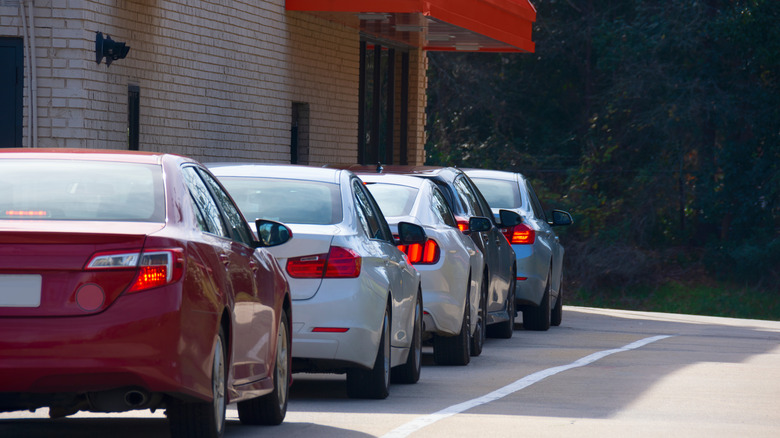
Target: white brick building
<point x="264" y="80"/>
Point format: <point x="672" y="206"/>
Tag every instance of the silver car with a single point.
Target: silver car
<point x="450" y="263"/>
<point x="538" y="251"/>
<point x="357" y="300"/>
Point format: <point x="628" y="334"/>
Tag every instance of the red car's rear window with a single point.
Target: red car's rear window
<point x="81" y="190"/>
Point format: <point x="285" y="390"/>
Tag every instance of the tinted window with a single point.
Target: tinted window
<point x="81" y="190"/>
<point x="205" y="203"/>
<point x="393" y="200"/>
<point x="241" y="232"/>
<point x="370" y="216"/>
<point x="535" y="204"/>
<point x="441" y="209"/>
<point x="463" y="189"/>
<point x="499" y="193"/>
<point x="384" y="228"/>
<point x="286" y="200"/>
<point x="453" y="200"/>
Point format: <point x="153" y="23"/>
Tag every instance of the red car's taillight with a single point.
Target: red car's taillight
<point x="337" y="263"/>
<point x="156" y="267"/>
<point x="422" y="254"/>
<point x="520" y="234"/>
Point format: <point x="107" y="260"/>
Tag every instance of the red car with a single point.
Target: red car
<point x="130" y="280"/>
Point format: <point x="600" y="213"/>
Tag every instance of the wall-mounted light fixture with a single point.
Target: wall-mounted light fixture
<point x="109" y="49"/>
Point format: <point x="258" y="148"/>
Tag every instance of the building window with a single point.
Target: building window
<point x="11" y="92"/>
<point x="299" y="134"/>
<point x="383" y="96"/>
<point x="133" y="116"/>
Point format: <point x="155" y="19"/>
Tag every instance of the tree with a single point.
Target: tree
<point x="656" y="123"/>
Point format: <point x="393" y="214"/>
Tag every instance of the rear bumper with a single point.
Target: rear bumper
<point x="136" y="342"/>
<point x="530" y="290"/>
<point x="339" y="304"/>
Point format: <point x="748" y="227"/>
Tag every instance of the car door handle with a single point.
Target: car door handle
<point x="253" y="265"/>
<point x="225" y="259"/>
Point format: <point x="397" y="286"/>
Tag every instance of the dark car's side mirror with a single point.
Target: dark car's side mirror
<point x="409" y="233"/>
<point x="272" y="233"/>
<point x="478" y="224"/>
<point x="509" y="218"/>
<point x="560" y="218"/>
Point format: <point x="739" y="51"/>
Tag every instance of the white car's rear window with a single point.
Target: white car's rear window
<point x="393" y="200"/>
<point x="286" y="200"/>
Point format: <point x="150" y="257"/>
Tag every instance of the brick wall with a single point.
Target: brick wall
<point x="217" y="79"/>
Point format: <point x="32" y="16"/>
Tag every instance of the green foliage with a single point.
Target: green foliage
<point x="720" y="299"/>
<point x="657" y="124"/>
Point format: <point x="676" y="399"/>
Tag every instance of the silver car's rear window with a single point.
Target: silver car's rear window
<point x="499" y="193"/>
<point x="286" y="200"/>
<point x="393" y="200"/>
<point x="81" y="190"/>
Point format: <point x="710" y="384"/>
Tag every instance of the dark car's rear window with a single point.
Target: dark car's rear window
<point x="81" y="190"/>
<point x="286" y="200"/>
<point x="499" y="193"/>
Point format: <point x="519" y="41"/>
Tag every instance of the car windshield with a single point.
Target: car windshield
<point x="393" y="200"/>
<point x="81" y="190"/>
<point x="286" y="200"/>
<point x="499" y="193"/>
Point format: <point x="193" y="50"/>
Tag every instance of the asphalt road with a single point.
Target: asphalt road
<point x="602" y="373"/>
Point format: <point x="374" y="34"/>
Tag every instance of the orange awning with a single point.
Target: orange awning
<point x="467" y="25"/>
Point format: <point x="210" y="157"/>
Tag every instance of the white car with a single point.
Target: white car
<point x="450" y="263"/>
<point x="356" y="298"/>
<point x="538" y="251"/>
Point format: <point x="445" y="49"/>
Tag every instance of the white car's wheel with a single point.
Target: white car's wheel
<point x="410" y="371"/>
<point x="373" y="383"/>
<point x="454" y="350"/>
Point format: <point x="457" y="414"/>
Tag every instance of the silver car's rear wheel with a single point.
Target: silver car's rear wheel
<point x="557" y="312"/>
<point x="538" y="317"/>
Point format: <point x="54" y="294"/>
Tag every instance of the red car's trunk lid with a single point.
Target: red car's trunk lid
<point x="42" y="265"/>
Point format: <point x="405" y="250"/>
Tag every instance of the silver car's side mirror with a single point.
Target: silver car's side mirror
<point x="560" y="218"/>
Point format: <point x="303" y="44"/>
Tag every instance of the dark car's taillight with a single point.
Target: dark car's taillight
<point x="337" y="263"/>
<point x="520" y="234"/>
<point x="156" y="267"/>
<point x="427" y="253"/>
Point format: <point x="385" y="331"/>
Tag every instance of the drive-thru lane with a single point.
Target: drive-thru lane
<point x="602" y="373"/>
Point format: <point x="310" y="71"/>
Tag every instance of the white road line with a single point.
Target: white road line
<point x="415" y="425"/>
